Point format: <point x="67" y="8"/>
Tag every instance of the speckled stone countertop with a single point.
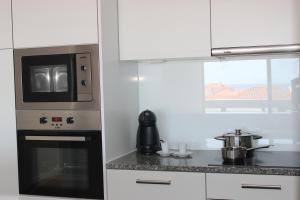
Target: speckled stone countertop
<point x="264" y="162"/>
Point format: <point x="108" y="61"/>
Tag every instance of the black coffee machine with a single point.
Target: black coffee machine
<point x="147" y="140"/>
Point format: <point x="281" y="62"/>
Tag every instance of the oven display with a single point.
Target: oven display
<point x="56" y="119"/>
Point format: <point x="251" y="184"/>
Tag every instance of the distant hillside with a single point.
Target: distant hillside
<point x="219" y="91"/>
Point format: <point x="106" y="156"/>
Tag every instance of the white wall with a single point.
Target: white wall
<point x="119" y="88"/>
<point x="175" y="92"/>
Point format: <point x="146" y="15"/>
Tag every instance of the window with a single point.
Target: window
<point x="251" y="85"/>
<point x="284" y="76"/>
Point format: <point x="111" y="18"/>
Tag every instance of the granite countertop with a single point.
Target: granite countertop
<point x="264" y="162"/>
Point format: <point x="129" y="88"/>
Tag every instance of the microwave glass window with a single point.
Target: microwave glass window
<point x="51" y="78"/>
<point x="60" y="78"/>
<point x="40" y="79"/>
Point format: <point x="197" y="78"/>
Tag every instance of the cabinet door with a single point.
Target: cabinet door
<point x="5" y="24"/>
<point x="40" y="23"/>
<point x="159" y="29"/>
<point x="237" y="23"/>
<point x="249" y="187"/>
<point x="8" y="142"/>
<point x="148" y="185"/>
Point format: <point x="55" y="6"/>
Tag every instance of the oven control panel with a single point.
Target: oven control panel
<point x="53" y="120"/>
<point x="57" y="121"/>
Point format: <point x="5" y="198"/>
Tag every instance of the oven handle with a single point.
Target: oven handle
<point x="55" y="138"/>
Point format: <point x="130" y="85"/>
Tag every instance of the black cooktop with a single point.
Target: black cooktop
<point x="274" y="159"/>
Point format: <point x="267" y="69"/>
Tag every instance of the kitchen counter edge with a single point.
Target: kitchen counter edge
<point x="134" y="161"/>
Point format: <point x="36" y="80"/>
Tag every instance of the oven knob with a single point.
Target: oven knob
<point x="70" y="120"/>
<point x="43" y="120"/>
<point x="83" y="68"/>
<point x="83" y="82"/>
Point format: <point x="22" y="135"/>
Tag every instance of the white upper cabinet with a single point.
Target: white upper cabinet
<point x="5" y="24"/>
<point x="39" y="23"/>
<point x="159" y="29"/>
<point x="237" y="23"/>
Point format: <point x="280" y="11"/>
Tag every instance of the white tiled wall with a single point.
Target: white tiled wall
<point x="197" y="100"/>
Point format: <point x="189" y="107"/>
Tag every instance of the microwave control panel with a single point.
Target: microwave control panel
<point x="84" y="77"/>
<point x="54" y="120"/>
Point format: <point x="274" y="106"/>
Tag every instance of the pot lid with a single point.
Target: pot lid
<point x="239" y="133"/>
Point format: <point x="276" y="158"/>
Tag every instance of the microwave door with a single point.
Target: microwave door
<point x="60" y="78"/>
<point x="40" y="79"/>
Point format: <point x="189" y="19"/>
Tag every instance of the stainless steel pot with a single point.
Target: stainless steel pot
<point x="238" y="139"/>
<point x="238" y="154"/>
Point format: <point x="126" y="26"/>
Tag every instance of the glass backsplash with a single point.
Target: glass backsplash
<point x="197" y="100"/>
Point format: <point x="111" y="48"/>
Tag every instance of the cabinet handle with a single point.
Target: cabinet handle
<point x="155" y="182"/>
<point x="220" y="199"/>
<point x="263" y="187"/>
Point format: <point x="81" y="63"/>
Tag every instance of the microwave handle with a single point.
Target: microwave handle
<point x="56" y="138"/>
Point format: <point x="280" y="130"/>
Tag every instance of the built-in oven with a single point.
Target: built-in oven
<point x="59" y="121"/>
<point x="60" y="163"/>
<point x="57" y="78"/>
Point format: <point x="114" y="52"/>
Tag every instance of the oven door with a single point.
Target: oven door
<point x="49" y="78"/>
<point x="66" y="164"/>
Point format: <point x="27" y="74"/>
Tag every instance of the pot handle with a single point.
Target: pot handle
<point x="256" y="137"/>
<point x="261" y="147"/>
<point x="220" y="138"/>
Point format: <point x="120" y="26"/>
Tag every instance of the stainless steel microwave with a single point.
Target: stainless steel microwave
<point x="57" y="78"/>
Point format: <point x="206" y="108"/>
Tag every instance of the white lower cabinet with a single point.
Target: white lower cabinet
<point x="149" y="185"/>
<point x="252" y="187"/>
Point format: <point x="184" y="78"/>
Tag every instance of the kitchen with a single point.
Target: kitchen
<point x="204" y="67"/>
